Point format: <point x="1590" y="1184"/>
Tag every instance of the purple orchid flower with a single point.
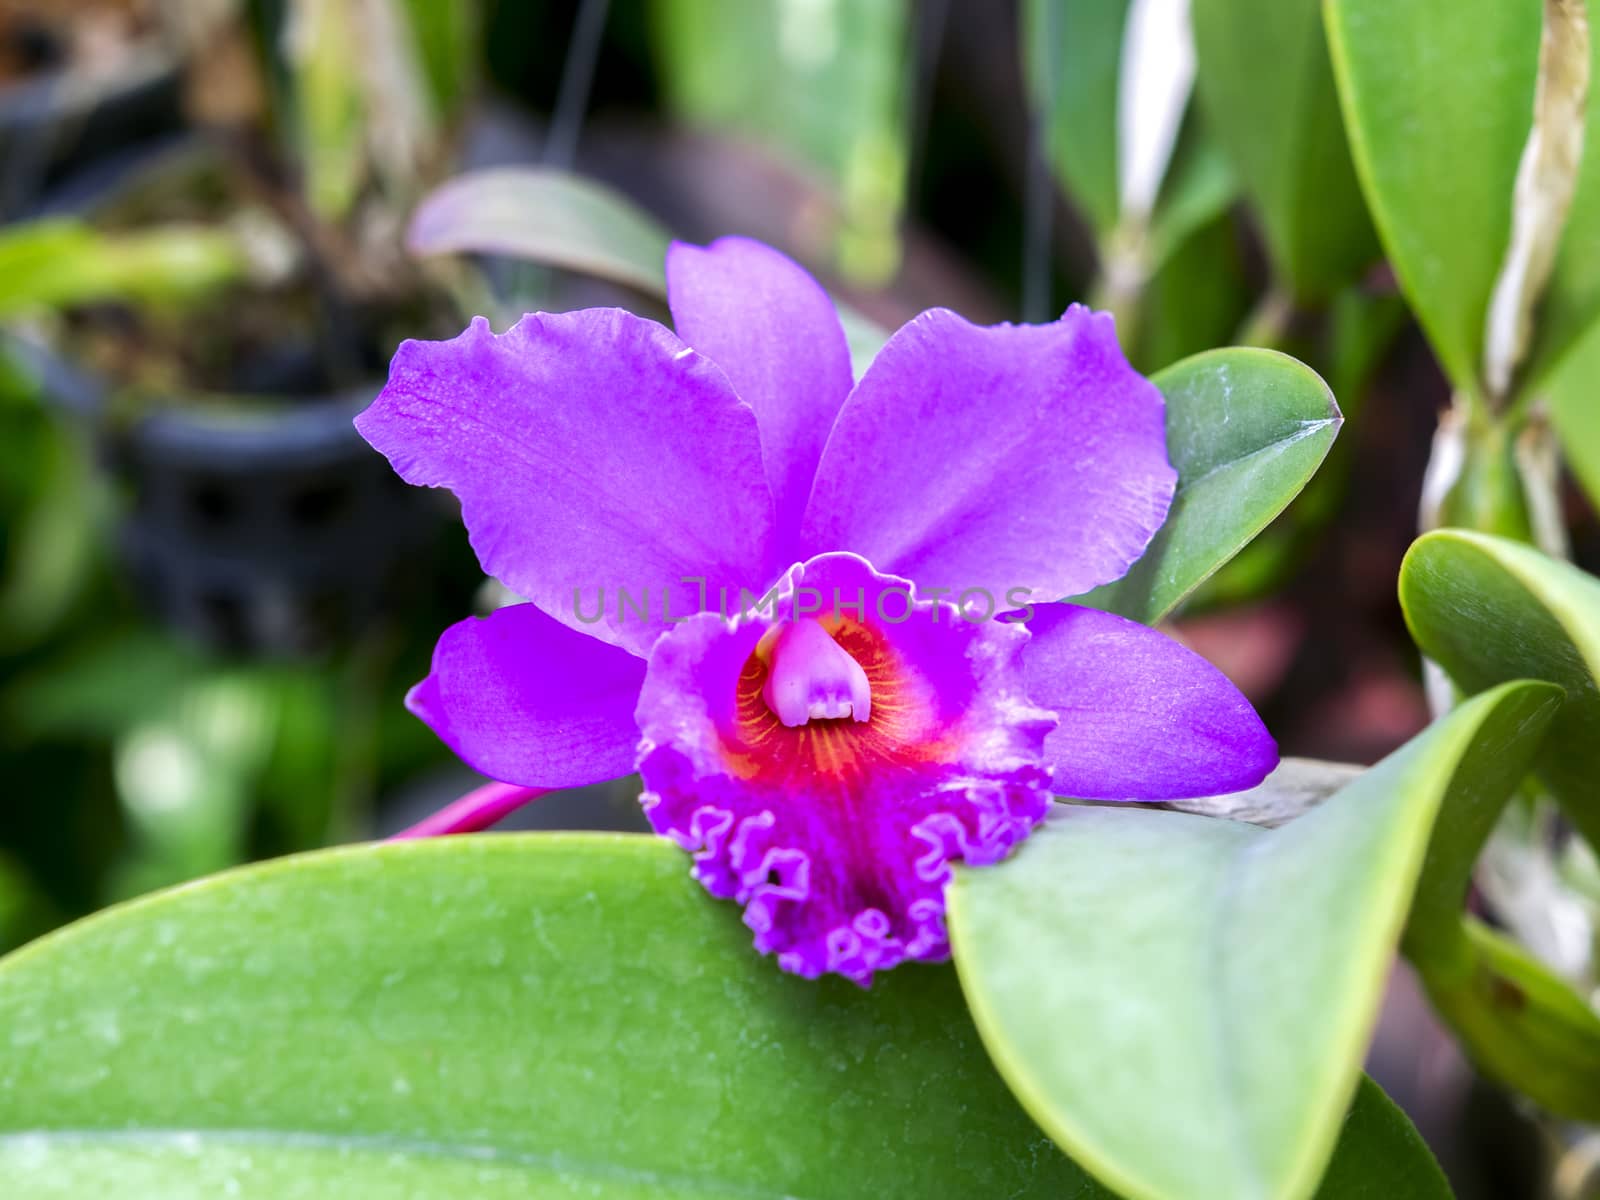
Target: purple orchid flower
<point x="829" y="742"/>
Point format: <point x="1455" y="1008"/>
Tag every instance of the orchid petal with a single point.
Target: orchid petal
<point x="1140" y="716"/>
<point x="522" y="698"/>
<point x="1025" y="461"/>
<point x="774" y="332"/>
<point x="593" y="452"/>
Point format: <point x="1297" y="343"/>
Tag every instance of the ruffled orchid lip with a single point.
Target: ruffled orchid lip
<point x="835" y="830"/>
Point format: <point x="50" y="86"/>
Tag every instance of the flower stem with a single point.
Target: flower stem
<point x="476" y="811"/>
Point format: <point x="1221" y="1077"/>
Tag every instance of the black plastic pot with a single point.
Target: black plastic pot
<point x="261" y="526"/>
<point x="57" y="125"/>
<point x="266" y="530"/>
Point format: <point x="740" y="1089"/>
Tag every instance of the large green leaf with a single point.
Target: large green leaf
<point x="1183" y="1002"/>
<point x="1246" y="429"/>
<point x="500" y="1016"/>
<point x="1267" y="89"/>
<point x="1438" y="99"/>
<point x="1487" y="609"/>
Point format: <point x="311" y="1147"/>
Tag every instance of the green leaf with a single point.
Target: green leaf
<point x="1574" y="408"/>
<point x="507" y="1015"/>
<point x="1381" y="1154"/>
<point x="1070" y="53"/>
<point x="1487" y="777"/>
<point x="1183" y="1002"/>
<point x="1266" y="86"/>
<point x="52" y="541"/>
<point x="1195" y="198"/>
<point x="57" y="262"/>
<point x="1482" y="607"/>
<point x="445" y="38"/>
<point x="1246" y="429"/>
<point x="330" y="105"/>
<point x="543" y="215"/>
<point x="1196" y="300"/>
<point x="1489" y="492"/>
<point x="1486" y="610"/>
<point x="1438" y="99"/>
<point x="1519" y="1021"/>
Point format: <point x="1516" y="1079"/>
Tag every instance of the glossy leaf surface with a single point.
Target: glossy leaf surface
<point x="1246" y="429"/>
<point x="1213" y="985"/>
<point x="1487" y="610"/>
<point x="484" y="1017"/>
<point x="1438" y="98"/>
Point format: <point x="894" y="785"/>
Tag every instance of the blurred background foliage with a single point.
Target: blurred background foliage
<point x="220" y="217"/>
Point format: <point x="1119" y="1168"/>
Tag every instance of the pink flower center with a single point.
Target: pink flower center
<point x="820" y="704"/>
<point x="811" y="677"/>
